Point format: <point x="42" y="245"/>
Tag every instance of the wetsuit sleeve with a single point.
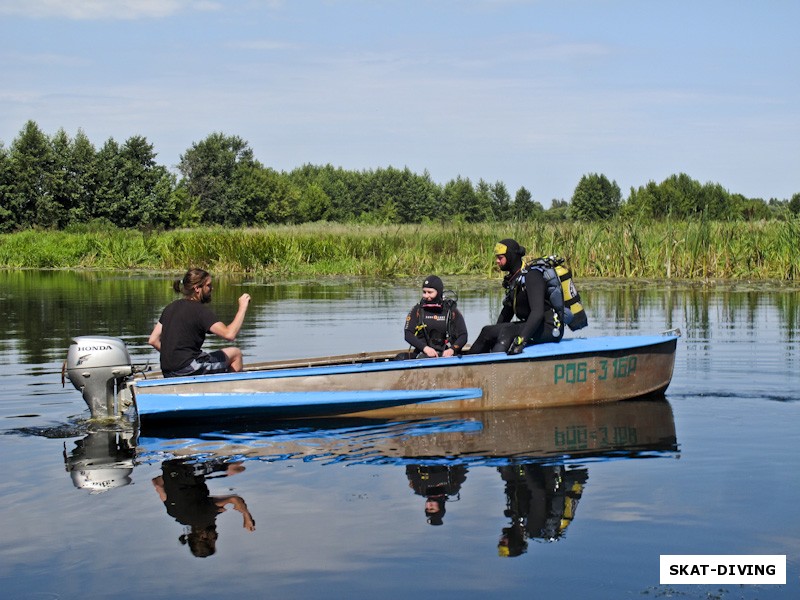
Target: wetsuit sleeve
<point x="459" y="332"/>
<point x="536" y="290"/>
<point x="412" y="320"/>
<point x="506" y="314"/>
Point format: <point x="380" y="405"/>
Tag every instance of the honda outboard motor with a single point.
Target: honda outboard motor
<point x="97" y="367"/>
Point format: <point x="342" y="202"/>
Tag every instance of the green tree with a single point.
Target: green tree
<point x="314" y="204"/>
<point x="680" y="196"/>
<point x="208" y="168"/>
<point x="83" y="173"/>
<point x="418" y="199"/>
<point x="265" y="195"/>
<point x="462" y="202"/>
<point x="752" y="209"/>
<point x="525" y="208"/>
<point x="595" y="198"/>
<point x="641" y="202"/>
<point x="500" y="200"/>
<point x="718" y="204"/>
<point x="344" y="189"/>
<point x="8" y="220"/>
<point x="109" y="201"/>
<point x="187" y="207"/>
<point x="794" y="204"/>
<point x="62" y="181"/>
<point x="30" y="196"/>
<point x="146" y="186"/>
<point x="558" y="211"/>
<point x="385" y="188"/>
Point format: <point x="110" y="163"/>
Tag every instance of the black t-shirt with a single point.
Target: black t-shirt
<point x="188" y="499"/>
<point x="184" y="324"/>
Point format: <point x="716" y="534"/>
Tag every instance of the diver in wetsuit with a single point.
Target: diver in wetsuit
<point x="527" y="300"/>
<point x="434" y="326"/>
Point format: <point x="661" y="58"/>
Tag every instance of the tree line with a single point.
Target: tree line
<point x="61" y="182"/>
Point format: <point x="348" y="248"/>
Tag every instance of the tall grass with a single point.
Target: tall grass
<point x="669" y="249"/>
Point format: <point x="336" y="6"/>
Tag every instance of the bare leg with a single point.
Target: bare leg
<point x="235" y="360"/>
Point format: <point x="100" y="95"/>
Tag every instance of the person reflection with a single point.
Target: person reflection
<point x="437" y="483"/>
<point x="540" y="501"/>
<point x="183" y="490"/>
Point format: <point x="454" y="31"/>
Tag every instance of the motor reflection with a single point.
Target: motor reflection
<point x="102" y="460"/>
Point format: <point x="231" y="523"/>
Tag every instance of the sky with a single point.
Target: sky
<point x="533" y="93"/>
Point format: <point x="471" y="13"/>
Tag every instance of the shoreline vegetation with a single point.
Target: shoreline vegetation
<point x="663" y="250"/>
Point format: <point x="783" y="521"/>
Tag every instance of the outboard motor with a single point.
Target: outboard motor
<point x="98" y="366"/>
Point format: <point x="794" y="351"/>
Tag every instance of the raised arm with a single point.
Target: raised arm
<point x="229" y="332"/>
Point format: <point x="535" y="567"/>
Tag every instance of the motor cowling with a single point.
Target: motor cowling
<point x="98" y="366"/>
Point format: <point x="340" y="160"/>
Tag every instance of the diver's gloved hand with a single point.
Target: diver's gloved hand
<point x="516" y="346"/>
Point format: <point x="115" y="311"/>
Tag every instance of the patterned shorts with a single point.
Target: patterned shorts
<point x="203" y="364"/>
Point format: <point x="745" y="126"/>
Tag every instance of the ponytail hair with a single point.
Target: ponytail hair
<point x="193" y="277"/>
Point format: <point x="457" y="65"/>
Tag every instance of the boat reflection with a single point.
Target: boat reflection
<point x="621" y="429"/>
<point x="542" y="456"/>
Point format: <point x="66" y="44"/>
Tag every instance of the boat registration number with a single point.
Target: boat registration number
<point x="582" y="371"/>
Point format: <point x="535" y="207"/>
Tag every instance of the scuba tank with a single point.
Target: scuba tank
<point x="561" y="291"/>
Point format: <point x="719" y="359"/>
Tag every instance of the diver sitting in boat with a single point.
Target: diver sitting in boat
<point x="534" y="296"/>
<point x="182" y="327"/>
<point x="434" y="326"/>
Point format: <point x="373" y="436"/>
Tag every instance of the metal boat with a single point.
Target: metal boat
<point x="573" y="372"/>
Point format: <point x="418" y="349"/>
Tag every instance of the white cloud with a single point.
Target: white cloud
<point x="264" y="45"/>
<point x="102" y="9"/>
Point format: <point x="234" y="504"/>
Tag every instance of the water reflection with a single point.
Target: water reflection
<point x="437" y="484"/>
<point x="541" y="501"/>
<point x="618" y="429"/>
<point x="102" y="460"/>
<point x="45" y="309"/>
<point x="182" y="487"/>
<point x="541" y="456"/>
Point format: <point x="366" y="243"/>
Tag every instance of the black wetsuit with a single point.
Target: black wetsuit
<point x="428" y="324"/>
<point x="526" y="300"/>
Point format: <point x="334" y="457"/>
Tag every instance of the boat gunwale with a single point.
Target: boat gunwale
<point x="572" y="347"/>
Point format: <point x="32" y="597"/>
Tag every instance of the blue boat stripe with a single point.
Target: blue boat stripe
<point x="159" y="404"/>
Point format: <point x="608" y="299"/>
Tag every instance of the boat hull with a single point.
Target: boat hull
<point x="573" y="372"/>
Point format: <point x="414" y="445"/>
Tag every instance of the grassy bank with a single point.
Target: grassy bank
<point x="664" y="250"/>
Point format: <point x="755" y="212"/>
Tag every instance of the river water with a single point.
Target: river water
<point x="363" y="509"/>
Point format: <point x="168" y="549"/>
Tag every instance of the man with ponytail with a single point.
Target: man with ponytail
<point x="182" y="327"/>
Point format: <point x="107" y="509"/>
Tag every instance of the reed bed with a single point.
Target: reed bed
<point x="693" y="250"/>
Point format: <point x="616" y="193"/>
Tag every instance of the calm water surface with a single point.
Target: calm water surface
<point x="574" y="502"/>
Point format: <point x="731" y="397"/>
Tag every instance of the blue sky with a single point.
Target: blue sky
<point x="532" y="93"/>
